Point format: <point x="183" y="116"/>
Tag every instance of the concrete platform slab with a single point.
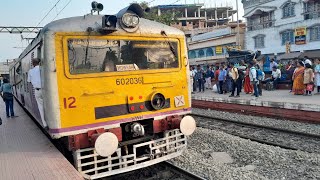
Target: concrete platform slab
<point x="26" y="153"/>
<point x="276" y="104"/>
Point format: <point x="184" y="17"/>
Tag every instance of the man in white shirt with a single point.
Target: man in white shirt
<point x="276" y="75"/>
<point x="35" y="79"/>
<point x="253" y="79"/>
<point x="272" y="64"/>
<point x="192" y="79"/>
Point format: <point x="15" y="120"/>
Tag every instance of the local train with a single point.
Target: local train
<point x="115" y="89"/>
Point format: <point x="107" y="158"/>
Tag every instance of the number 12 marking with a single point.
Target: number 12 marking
<point x="69" y="103"/>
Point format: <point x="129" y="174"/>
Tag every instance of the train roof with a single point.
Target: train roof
<point x="81" y="23"/>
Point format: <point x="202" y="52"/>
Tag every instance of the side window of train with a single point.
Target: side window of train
<point x="39" y="53"/>
<point x="18" y="72"/>
<point x="23" y="80"/>
<point x="27" y="84"/>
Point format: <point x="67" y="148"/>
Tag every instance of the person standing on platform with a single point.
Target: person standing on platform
<point x="35" y="79"/>
<point x="308" y="79"/>
<point x="209" y="75"/>
<point x="222" y="78"/>
<point x="6" y="94"/>
<point x="192" y="79"/>
<point x="290" y="70"/>
<point x="235" y="80"/>
<point x="242" y="73"/>
<point x="228" y="84"/>
<point x="200" y="78"/>
<point x="248" y="89"/>
<point x="216" y="75"/>
<point x="317" y="75"/>
<point x="298" y="77"/>
<point x="260" y="77"/>
<point x="253" y="78"/>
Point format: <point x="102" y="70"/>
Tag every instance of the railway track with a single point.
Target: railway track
<point x="161" y="171"/>
<point x="274" y="136"/>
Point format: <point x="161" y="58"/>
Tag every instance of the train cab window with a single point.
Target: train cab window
<point x="18" y="69"/>
<point x="94" y="56"/>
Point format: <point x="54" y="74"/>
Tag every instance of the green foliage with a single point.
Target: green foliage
<point x="168" y="17"/>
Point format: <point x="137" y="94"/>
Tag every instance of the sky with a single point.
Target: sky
<point x="31" y="12"/>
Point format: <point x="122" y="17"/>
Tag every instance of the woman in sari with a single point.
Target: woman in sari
<point x="298" y="77"/>
<point x="317" y="75"/>
<point x="248" y="88"/>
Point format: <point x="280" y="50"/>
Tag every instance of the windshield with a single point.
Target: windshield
<point x="94" y="56"/>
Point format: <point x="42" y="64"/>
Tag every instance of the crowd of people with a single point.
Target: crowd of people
<point x="302" y="75"/>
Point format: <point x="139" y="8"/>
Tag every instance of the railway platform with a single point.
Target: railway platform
<point x="26" y="153"/>
<point x="278" y="103"/>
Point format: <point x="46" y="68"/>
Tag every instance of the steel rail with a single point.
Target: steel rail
<point x="186" y="174"/>
<point x="261" y="127"/>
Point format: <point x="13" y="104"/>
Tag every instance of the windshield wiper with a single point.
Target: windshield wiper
<point x="163" y="33"/>
<point x="89" y="30"/>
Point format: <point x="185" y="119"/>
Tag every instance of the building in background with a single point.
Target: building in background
<point x="4" y="69"/>
<point x="195" y="19"/>
<point x="211" y="48"/>
<point x="208" y="30"/>
<point x="285" y="28"/>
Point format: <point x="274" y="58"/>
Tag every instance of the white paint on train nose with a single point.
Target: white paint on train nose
<point x="187" y="125"/>
<point x="106" y="144"/>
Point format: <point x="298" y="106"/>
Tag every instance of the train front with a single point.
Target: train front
<point x="124" y="93"/>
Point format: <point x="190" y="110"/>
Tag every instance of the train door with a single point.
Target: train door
<point x="30" y="89"/>
<point x="18" y="74"/>
<point x="13" y="76"/>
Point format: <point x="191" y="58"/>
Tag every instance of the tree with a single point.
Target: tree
<point x="168" y="17"/>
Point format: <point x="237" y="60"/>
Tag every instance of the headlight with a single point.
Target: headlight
<point x="106" y="144"/>
<point x="158" y="101"/>
<point x="187" y="125"/>
<point x="130" y="20"/>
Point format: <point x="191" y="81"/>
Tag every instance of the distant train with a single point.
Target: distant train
<point x="115" y="88"/>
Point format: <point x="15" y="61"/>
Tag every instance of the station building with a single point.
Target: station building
<point x="208" y="30"/>
<point x="195" y="19"/>
<point x="283" y="29"/>
<point x="211" y="48"/>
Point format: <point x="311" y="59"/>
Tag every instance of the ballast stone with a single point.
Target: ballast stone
<point x="221" y="157"/>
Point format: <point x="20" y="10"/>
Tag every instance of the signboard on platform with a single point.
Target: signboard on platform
<point x="218" y="49"/>
<point x="300" y="35"/>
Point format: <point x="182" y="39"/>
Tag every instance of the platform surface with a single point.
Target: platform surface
<point x="26" y="153"/>
<point x="277" y="99"/>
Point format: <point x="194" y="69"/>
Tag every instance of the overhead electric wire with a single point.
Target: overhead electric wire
<point x="45" y="16"/>
<point x="175" y="2"/>
<point x="150" y="1"/>
<point x="61" y="10"/>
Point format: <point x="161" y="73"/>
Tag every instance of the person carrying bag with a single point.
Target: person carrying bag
<point x="7" y="96"/>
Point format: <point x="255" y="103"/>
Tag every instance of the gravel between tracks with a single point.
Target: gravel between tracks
<point x="251" y="160"/>
<point x="285" y="124"/>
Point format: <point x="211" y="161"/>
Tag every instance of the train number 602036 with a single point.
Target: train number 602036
<point x="127" y="81"/>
